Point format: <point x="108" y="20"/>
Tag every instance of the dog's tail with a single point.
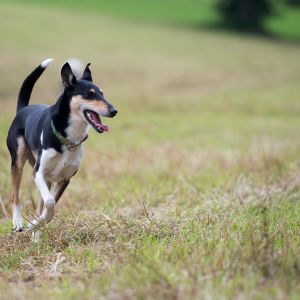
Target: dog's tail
<point x="27" y="86"/>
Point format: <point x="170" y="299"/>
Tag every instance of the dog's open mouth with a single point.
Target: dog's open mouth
<point x="94" y="119"/>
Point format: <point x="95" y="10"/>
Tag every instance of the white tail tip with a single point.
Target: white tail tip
<point x="46" y="62"/>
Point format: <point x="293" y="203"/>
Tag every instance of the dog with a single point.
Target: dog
<point x="51" y="137"/>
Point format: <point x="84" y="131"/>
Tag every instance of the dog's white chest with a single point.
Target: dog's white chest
<point x="60" y="166"/>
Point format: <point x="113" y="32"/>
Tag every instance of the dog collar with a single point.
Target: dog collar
<point x="70" y="146"/>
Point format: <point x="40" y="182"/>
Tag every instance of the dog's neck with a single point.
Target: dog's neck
<point x="77" y="129"/>
<point x="67" y="123"/>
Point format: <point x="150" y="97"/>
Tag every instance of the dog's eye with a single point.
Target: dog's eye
<point x="91" y="93"/>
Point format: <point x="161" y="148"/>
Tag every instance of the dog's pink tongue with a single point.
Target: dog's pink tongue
<point x="104" y="127"/>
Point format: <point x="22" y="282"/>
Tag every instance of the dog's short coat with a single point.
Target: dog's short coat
<point x="51" y="138"/>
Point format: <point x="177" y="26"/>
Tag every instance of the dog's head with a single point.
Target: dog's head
<point x="86" y="99"/>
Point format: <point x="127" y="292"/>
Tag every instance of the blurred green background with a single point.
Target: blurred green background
<point x="279" y="18"/>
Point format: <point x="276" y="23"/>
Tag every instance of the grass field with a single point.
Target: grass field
<point x="193" y="14"/>
<point x="193" y="194"/>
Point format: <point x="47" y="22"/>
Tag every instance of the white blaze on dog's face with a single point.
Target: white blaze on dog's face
<point x="87" y="100"/>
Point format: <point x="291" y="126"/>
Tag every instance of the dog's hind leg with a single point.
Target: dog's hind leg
<point x="18" y="161"/>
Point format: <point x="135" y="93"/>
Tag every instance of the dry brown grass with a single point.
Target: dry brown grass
<point x="194" y="192"/>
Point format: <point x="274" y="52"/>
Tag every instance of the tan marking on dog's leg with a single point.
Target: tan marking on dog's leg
<point x="59" y="189"/>
<point x="31" y="159"/>
<point x="16" y="175"/>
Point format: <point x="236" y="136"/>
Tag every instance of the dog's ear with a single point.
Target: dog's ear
<point x="67" y="76"/>
<point x="87" y="75"/>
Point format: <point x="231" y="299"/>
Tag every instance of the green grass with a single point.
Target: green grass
<point x="284" y="23"/>
<point x="181" y="12"/>
<point x="193" y="194"/>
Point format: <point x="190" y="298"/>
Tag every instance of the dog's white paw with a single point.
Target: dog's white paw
<point x="45" y="218"/>
<point x="37" y="223"/>
<point x="18" y="221"/>
<point x="18" y="226"/>
<point x="48" y="214"/>
<point x="32" y="224"/>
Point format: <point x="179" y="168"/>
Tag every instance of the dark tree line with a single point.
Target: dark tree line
<point x="248" y="15"/>
<point x="293" y="2"/>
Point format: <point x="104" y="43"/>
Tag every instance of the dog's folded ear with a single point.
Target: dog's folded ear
<point x="87" y="75"/>
<point x="67" y="76"/>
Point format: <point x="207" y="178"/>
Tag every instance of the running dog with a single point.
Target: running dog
<point x="51" y="138"/>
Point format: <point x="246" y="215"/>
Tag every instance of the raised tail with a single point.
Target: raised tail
<point x="27" y="86"/>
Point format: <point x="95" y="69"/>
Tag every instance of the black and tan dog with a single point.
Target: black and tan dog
<point x="51" y="138"/>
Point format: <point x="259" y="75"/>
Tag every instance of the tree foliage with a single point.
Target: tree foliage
<point x="245" y="14"/>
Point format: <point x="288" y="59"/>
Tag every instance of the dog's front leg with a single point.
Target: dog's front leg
<point x="49" y="201"/>
<point x="59" y="189"/>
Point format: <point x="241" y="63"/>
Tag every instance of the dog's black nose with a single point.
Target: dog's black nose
<point x="113" y="112"/>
